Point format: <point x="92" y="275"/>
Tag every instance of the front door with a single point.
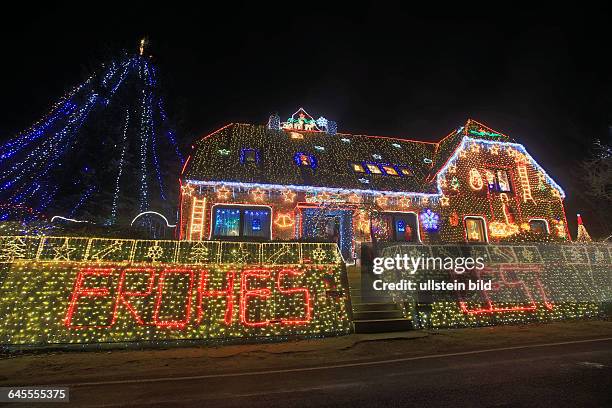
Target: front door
<point x="329" y="226"/>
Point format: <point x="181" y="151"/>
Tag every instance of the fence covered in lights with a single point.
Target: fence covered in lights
<point x="61" y="290"/>
<point x="530" y="283"/>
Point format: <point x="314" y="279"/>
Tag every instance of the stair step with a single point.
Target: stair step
<point x="367" y="307"/>
<point x="378" y="315"/>
<point x="382" y="325"/>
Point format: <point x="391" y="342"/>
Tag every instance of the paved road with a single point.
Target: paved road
<point x="576" y="374"/>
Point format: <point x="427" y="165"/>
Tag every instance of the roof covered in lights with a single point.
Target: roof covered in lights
<point x="287" y="154"/>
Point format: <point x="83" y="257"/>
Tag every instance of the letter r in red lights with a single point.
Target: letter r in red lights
<point x="123" y="295"/>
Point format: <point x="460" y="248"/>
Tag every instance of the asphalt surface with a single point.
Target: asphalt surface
<point x="572" y="374"/>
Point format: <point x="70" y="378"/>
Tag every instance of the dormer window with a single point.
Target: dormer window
<point x="358" y="167"/>
<point x="390" y="170"/>
<point x="373" y="168"/>
<point x="249" y="156"/>
<point x="305" y="160"/>
<point x="405" y="171"/>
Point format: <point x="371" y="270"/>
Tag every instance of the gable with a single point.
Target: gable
<point x="515" y="150"/>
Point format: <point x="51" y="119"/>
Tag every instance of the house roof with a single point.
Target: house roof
<point x="217" y="158"/>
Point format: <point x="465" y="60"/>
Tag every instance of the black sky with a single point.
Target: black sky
<point x="541" y="76"/>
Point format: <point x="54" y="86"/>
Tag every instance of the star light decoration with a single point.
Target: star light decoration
<point x="288" y="195"/>
<point x="444" y="201"/>
<point x="324" y="196"/>
<point x="223" y="193"/>
<point x="405" y="201"/>
<point x="258" y="194"/>
<point x="187" y="190"/>
<point x="364" y="180"/>
<point x="63" y="252"/>
<point x="382" y="200"/>
<point x="354" y="198"/>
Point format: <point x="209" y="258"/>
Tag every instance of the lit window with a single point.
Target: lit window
<point x="390" y="170"/>
<point x="373" y="168"/>
<point x="391" y="227"/>
<point x="227" y="222"/>
<point x="248" y="156"/>
<point x="256" y="223"/>
<point x="503" y="182"/>
<point x="538" y="226"/>
<point x="232" y="221"/>
<point x="358" y="168"/>
<point x="475" y="229"/>
<point x="406" y="172"/>
<point x="305" y="160"/>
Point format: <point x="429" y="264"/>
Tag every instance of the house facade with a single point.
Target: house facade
<point x="302" y="180"/>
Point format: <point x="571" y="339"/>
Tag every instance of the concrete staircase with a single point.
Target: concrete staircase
<point x="374" y="314"/>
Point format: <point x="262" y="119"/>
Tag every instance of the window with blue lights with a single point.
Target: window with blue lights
<point x="237" y="221"/>
<point x="227" y="222"/>
<point x="256" y="223"/>
<point x="386" y="169"/>
<point x="396" y="227"/>
<point x="249" y="156"/>
<point x="305" y="160"/>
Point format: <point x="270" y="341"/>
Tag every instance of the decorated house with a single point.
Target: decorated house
<point x="303" y="180"/>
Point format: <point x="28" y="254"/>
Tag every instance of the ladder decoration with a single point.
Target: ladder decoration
<point x="524" y="179"/>
<point x="196" y="226"/>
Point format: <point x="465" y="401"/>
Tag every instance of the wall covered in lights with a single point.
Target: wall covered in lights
<point x="305" y="182"/>
<point x="62" y="290"/>
<point x="530" y="283"/>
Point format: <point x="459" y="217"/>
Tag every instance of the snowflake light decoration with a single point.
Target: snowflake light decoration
<point x="430" y="220"/>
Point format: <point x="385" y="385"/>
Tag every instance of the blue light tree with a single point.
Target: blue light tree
<point x="102" y="153"/>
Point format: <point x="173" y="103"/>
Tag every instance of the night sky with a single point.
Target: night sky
<point x="542" y="77"/>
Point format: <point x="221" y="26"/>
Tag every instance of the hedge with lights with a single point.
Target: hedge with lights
<point x="62" y="290"/>
<point x="531" y="283"/>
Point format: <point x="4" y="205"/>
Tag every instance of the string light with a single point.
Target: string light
<point x="80" y="290"/>
<point x="36" y="167"/>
